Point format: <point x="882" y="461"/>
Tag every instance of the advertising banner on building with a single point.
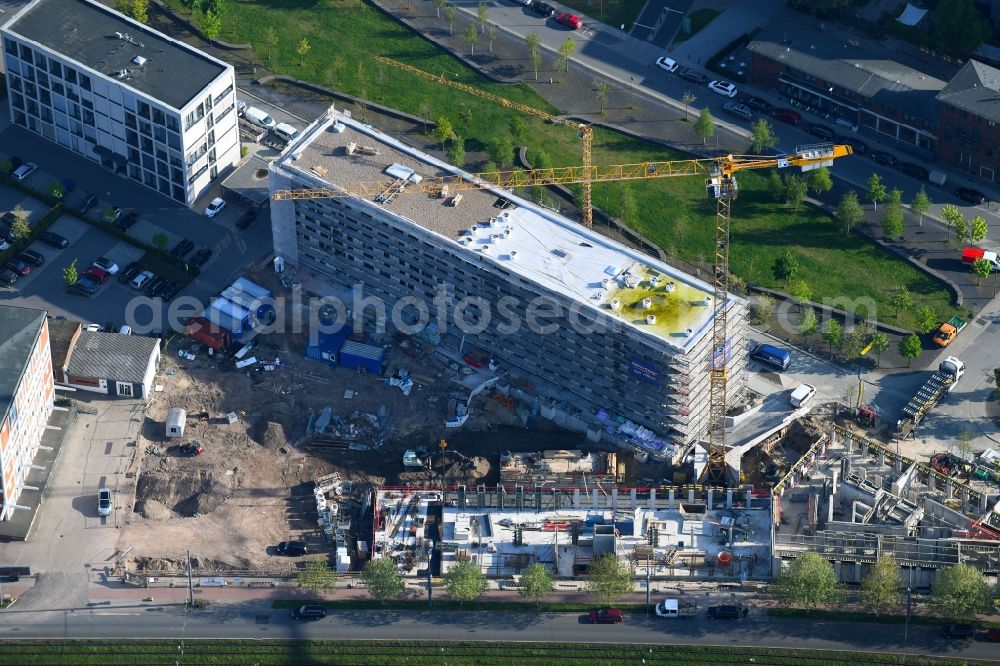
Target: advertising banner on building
<point x="645" y="371"/>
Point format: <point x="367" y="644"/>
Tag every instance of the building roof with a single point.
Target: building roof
<point x="249" y="180"/>
<point x="61" y="332"/>
<point x="976" y="89"/>
<point x="122" y="358"/>
<point x="107" y="42"/>
<point x="19" y="330"/>
<point x="862" y="67"/>
<point x="521" y="237"/>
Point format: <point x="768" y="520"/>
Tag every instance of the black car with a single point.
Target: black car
<point x="733" y="612"/>
<point x="882" y="157"/>
<point x="309" y="612"/>
<point x="127" y="221"/>
<point x="8" y="277"/>
<point x="758" y="104"/>
<point x="821" y="131"/>
<point x="154" y="287"/>
<point x="53" y="240"/>
<point x="292" y="548"/>
<point x="31" y="257"/>
<point x="693" y="75"/>
<point x="201" y="256"/>
<point x="170" y="290"/>
<point x="128" y="273"/>
<point x="970" y="195"/>
<point x="913" y="170"/>
<point x="859" y="147"/>
<point x="960" y="631"/>
<point x="89" y="202"/>
<point x="182" y="248"/>
<point x="542" y="8"/>
<point x="246" y="219"/>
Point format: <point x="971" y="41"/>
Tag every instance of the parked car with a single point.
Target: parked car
<point x="154" y="286"/>
<point x="169" y="290"/>
<point x="89" y="201"/>
<point x="693" y="75"/>
<point x="128" y="273"/>
<point x="25" y="170"/>
<point x="913" y="170"/>
<point x="215" y="207"/>
<point x="18" y="266"/>
<point x="140" y="280"/>
<point x="758" y="104"/>
<point x="724" y="88"/>
<point x="86" y="286"/>
<point x="571" y="21"/>
<point x="802" y="395"/>
<point x="787" y="116"/>
<point x="201" y="257"/>
<point x="741" y="111"/>
<point x="104" y="502"/>
<point x="665" y="63"/>
<point x="732" y="612"/>
<point x="542" y="8"/>
<point x="884" y="158"/>
<point x="960" y="631"/>
<point x="8" y="277"/>
<point x="993" y="635"/>
<point x="309" y="612"/>
<point x="292" y="548"/>
<point x="31" y="257"/>
<point x="182" y="248"/>
<point x="970" y="195"/>
<point x="93" y="328"/>
<point x="53" y="240"/>
<point x="96" y="274"/>
<point x="246" y="219"/>
<point x="606" y="616"/>
<point x="858" y="146"/>
<point x="821" y="131"/>
<point x="128" y="221"/>
<point x="106" y="265"/>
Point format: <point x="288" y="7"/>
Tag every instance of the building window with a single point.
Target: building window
<point x="10" y="47"/>
<point x="158" y="116"/>
<point x="124" y="389"/>
<point x="70" y="75"/>
<point x="55" y="69"/>
<point x="145" y="111"/>
<point x="26" y="54"/>
<point x="85" y="82"/>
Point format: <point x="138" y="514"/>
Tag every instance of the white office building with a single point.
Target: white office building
<point x="132" y="99"/>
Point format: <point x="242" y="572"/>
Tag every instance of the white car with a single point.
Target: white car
<point x="141" y="279"/>
<point x="93" y="328"/>
<point x="104" y="502"/>
<point x="723" y="88"/>
<point x="666" y="63"/>
<point x="106" y="265"/>
<point x="25" y="170"/>
<point x="801" y="395"/>
<point x="213" y="208"/>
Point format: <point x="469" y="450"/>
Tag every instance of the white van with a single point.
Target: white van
<point x="258" y="117"/>
<point x="286" y="131"/>
<point x="802" y="395"/>
<point x="667" y="608"/>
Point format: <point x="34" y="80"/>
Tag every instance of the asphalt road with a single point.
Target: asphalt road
<point x="254" y="621"/>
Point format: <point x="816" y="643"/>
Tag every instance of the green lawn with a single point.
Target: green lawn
<point x="699" y="19"/>
<point x="672" y="212"/>
<point x="612" y="12"/>
<point x="423" y="653"/>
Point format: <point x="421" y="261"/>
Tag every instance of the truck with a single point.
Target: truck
<point x="939" y="384"/>
<point x="948" y="331"/>
<point x="972" y="254"/>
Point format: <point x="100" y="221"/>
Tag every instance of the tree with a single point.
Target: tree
<point x="776" y="186"/>
<point x="471" y="37"/>
<point x="302" y="49"/>
<point x="880" y="342"/>
<point x="786" y="266"/>
<point x="832" y="333"/>
<point x="819" y="181"/>
<point x="19" y="227"/>
<point x="705" y="126"/>
<point x="960" y="593"/>
<point x="383" y="579"/>
<point x="482" y="16"/>
<point x="926" y="320"/>
<point x="892" y="220"/>
<point x="501" y="150"/>
<point x="849" y="212"/>
<point x="961" y="228"/>
<point x="763" y="309"/>
<point x="439" y="5"/>
<point x="443" y="130"/>
<point x="317" y="576"/>
<point x="70" y="275"/>
<point x="762" y="135"/>
<point x="921" y="204"/>
<point x="795" y="190"/>
<point x="602" y="89"/>
<point x="565" y="52"/>
<point x="977" y="229"/>
<point x="808" y="580"/>
<point x="140" y="10"/>
<point x="800" y="291"/>
<point x="518" y="129"/>
<point x="211" y="25"/>
<point x="534" y="51"/>
<point x="456" y="152"/>
<point x="881" y="588"/>
<point x="854" y="341"/>
<point x="57" y="191"/>
<point x="465" y="582"/>
<point x="160" y="240"/>
<point x="809" y="324"/>
<point x="6" y="166"/>
<point x="271" y="43"/>
<point x="108" y="216"/>
<point x="491" y="167"/>
<point x="609" y="579"/>
<point x="982" y="268"/>
<point x="536" y="61"/>
<point x="491" y="36"/>
<point x="957" y="28"/>
<point x="963" y="443"/>
<point x="876" y="190"/>
<point x="901" y="299"/>
<point x="951" y="215"/>
<point x="910" y="348"/>
<point x="536" y="582"/>
<point x="688" y="99"/>
<point x="450" y="16"/>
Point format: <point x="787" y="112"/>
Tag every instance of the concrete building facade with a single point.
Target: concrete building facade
<point x="26" y="397"/>
<point x="141" y="104"/>
<point x="630" y="336"/>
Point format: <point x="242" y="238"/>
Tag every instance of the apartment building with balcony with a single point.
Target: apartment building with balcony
<point x="625" y="337"/>
<point x="148" y="107"/>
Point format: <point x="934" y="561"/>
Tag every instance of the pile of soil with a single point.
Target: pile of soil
<point x="187" y="492"/>
<point x="270" y="435"/>
<point x="454" y="467"/>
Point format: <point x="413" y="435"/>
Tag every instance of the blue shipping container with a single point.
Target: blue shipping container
<point x="355" y="354"/>
<point x="327" y="345"/>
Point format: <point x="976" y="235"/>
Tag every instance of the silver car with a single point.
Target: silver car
<point x="104" y="502"/>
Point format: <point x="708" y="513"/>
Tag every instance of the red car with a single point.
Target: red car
<point x="993" y="635"/>
<point x="606" y="616"/>
<point x="787" y="116"/>
<point x="477" y="358"/>
<point x="18" y="266"/>
<point x="96" y="274"/>
<point x="570" y="21"/>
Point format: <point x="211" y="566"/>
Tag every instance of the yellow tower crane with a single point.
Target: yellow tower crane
<point x="720" y="185"/>
<point x="584" y="131"/>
